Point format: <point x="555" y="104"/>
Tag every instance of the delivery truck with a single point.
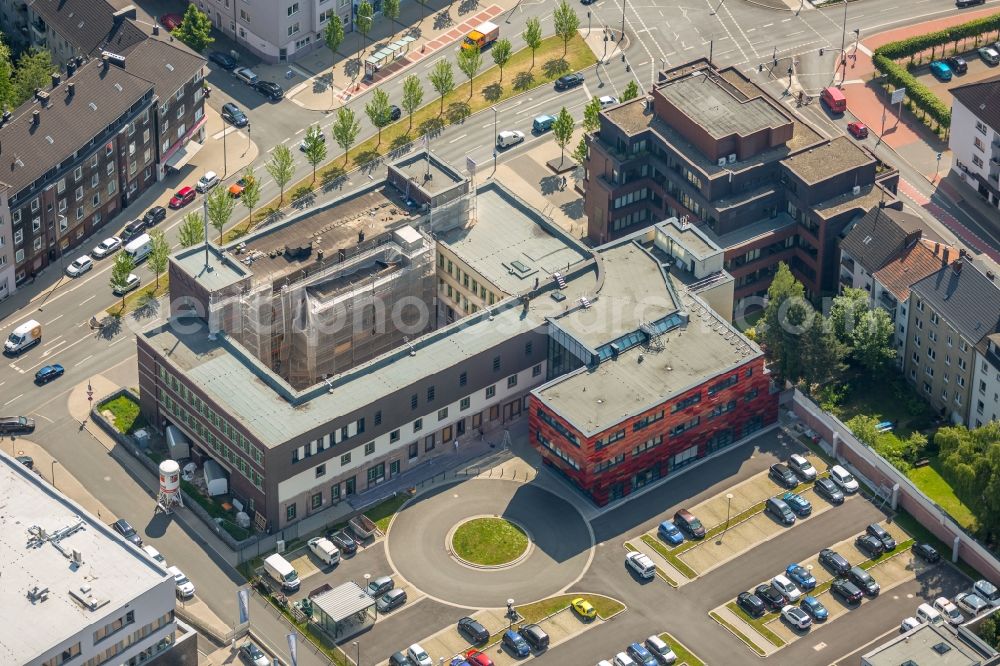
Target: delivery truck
<point x="282" y="572"/>
<point x="482" y="36"/>
<point x="139" y="248"/>
<point x="24" y="337"/>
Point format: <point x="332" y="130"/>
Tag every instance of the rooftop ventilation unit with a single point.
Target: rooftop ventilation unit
<point x="732" y="158"/>
<point x="722" y="161"/>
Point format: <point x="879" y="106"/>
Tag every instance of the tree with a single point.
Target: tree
<point x="580" y="152"/>
<point x="379" y="112"/>
<point x="592" y="115"/>
<point x="871" y="340"/>
<point x="413" y="96"/>
<point x="315" y="147"/>
<point x="390" y="10"/>
<point x="442" y="77"/>
<point x="192" y="229"/>
<point x="195" y="30"/>
<point x="34" y="70"/>
<point x="782" y="324"/>
<point x="820" y="352"/>
<point x="333" y="34"/>
<point x="364" y="20"/>
<point x="159" y="253"/>
<point x="501" y="54"/>
<point x="532" y="36"/>
<point x="631" y="91"/>
<point x="251" y="192"/>
<point x="220" y="209"/>
<point x="562" y="130"/>
<point x="846" y="312"/>
<point x="566" y="23"/>
<point x="345" y="129"/>
<point x="469" y="61"/>
<point x="281" y="167"/>
<point x="7" y="94"/>
<point x="120" y="271"/>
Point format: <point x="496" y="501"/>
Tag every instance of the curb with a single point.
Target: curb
<point x="488" y="567"/>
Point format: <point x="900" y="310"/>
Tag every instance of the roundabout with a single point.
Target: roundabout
<point x="479" y="542"/>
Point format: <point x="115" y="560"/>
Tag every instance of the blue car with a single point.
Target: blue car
<point x="813" y="606"/>
<point x="48" y="373"/>
<point x="641" y="655"/>
<point x="459" y="661"/>
<point x="798" y="504"/>
<point x="514" y="642"/>
<point x="801" y="576"/>
<point x="941" y="70"/>
<point x="669" y="533"/>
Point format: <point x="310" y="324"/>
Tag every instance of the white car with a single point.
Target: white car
<point x="796" y="617"/>
<point x="246" y="75"/>
<point x="782" y="584"/>
<point x="604" y="662"/>
<point x="909" y="623"/>
<point x="207" y="182"/>
<point x="185" y="588"/>
<point x="661" y="650"/>
<point x="801" y="466"/>
<point x="80" y="266"/>
<point x="131" y="282"/>
<point x="302" y="143"/>
<point x="155" y="555"/>
<point x="949" y="610"/>
<point x="844" y="479"/>
<point x="987" y="591"/>
<point x="622" y="659"/>
<point x="971" y="603"/>
<point x="509" y="138"/>
<point x="106" y="247"/>
<point x="418" y="655"/>
<point x="252" y="654"/>
<point x="641" y="564"/>
<point x="607" y="100"/>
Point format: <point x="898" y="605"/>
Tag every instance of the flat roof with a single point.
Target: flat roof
<point x="116" y="573"/>
<point x="217" y="272"/>
<point x="927" y="644"/>
<point x="343" y="601"/>
<point x="510" y="244"/>
<point x="738" y="237"/>
<point x="419" y="166"/>
<point x="692" y="239"/>
<point x="595" y="399"/>
<point x="839" y="155"/>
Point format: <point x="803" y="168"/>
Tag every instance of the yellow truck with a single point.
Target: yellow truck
<point x="482" y="36"/>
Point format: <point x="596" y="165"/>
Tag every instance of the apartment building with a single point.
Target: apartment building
<point x="975" y="137"/>
<point x="712" y="148"/>
<point x="952" y="312"/>
<point x="885" y="253"/>
<point x="279" y="30"/>
<point x="71" y="29"/>
<point x="74" y="591"/>
<point x="985" y="402"/>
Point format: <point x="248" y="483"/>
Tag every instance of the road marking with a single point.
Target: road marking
<point x="49" y="351"/>
<point x="52" y="320"/>
<point x="785" y="20"/>
<point x="121" y="339"/>
<point x="89" y="299"/>
<point x="458" y="138"/>
<point x="67" y="347"/>
<point x="792" y="34"/>
<point x="83" y="361"/>
<point x="12" y="399"/>
<point x="767" y="25"/>
<point x="58" y="337"/>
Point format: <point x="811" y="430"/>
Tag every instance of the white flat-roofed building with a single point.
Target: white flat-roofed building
<point x="73" y="591"/>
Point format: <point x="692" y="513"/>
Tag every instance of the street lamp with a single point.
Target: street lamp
<point x="622" y="37"/>
<point x="368" y="577"/>
<point x="789" y="79"/>
<point x="729" y="506"/>
<point x="843" y="40"/>
<point x="494" y="143"/>
<point x="357" y="653"/>
<point x="510" y="614"/>
<point x="52" y="472"/>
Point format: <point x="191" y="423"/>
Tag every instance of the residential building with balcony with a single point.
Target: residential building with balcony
<point x="885" y="253"/>
<point x="71" y="29"/>
<point x="985" y="402"/>
<point x="951" y="313"/>
<point x="974" y="138"/>
<point x="712" y="148"/>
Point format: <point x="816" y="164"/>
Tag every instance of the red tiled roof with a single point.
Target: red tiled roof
<point x="912" y="266"/>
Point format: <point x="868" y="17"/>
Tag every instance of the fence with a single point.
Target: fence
<point x="874" y="469"/>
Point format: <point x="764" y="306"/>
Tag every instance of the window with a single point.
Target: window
<point x="95" y="200"/>
<point x="369" y="448"/>
<point x="394" y="436"/>
<point x="245" y="16"/>
<point x="491" y="391"/>
<point x="112" y="186"/>
<point x="724" y="384"/>
<point x="647" y="445"/>
<point x="290" y="512"/>
<point x="610" y="439"/>
<point x="316" y="501"/>
<point x="463" y="379"/>
<point x="36" y="224"/>
<point x="293" y="29"/>
<point x="981" y="127"/>
<point x="293" y="9"/>
<point x="685" y="403"/>
<point x="718" y="410"/>
<point x="527" y="348"/>
<point x="430" y="394"/>
<point x="442" y="414"/>
<point x="646" y="421"/>
<point x="413" y="401"/>
<point x="605" y="465"/>
<point x="536" y="370"/>
<point x="934" y="318"/>
<point x="978" y="143"/>
<point x="429" y="443"/>
<point x="496" y="363"/>
<point x="345" y="459"/>
<point x="412" y="451"/>
<point x="378" y="417"/>
<point x="18" y="236"/>
<point x="464" y="404"/>
<point x="320" y="471"/>
<point x="418" y="425"/>
<point x="512" y="381"/>
<point x="681" y="427"/>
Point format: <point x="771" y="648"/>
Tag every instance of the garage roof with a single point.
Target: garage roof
<point x="343" y="601"/>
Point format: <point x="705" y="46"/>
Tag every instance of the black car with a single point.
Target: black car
<point x="399" y="659"/>
<point x="829" y="491"/>
<point x="395" y="113"/>
<point x="569" y="81"/>
<point x="968" y="3"/>
<point x="122" y="527"/>
<point x="751" y="603"/>
<point x="869" y="545"/>
<point x="926" y="552"/>
<point x="269" y="89"/>
<point x="27" y="461"/>
<point x="846" y="590"/>
<point x="535" y="635"/>
<point x="133" y="229"/>
<point x="863" y="580"/>
<point x="223" y="60"/>
<point x="344" y="542"/>
<point x="836" y="563"/>
<point x="689" y="524"/>
<point x="473" y="630"/>
<point x="877" y="531"/>
<point x="957" y="64"/>
<point x="234" y="115"/>
<point x="772" y="599"/>
<point x="781" y="511"/>
<point x="154" y="215"/>
<point x="16" y="425"/>
<point x="783" y="476"/>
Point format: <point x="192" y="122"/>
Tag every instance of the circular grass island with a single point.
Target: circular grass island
<point x="489" y="542"/>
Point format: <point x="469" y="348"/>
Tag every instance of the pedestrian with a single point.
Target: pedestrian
<point x="456" y="445"/>
<point x="32" y="277"/>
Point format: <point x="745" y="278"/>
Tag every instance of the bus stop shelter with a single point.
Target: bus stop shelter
<point x="386" y="55"/>
<point x="344" y="611"/>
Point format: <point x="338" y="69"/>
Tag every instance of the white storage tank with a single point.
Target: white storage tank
<point x="170" y="484"/>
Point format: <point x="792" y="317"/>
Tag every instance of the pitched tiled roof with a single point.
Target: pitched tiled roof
<point x="67" y="124"/>
<point x="879" y="236"/>
<point x="914" y="264"/>
<point x="982" y="99"/>
<point x="968" y="298"/>
<point x="83" y="23"/>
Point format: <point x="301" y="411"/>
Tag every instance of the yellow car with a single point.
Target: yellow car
<point x="584" y="608"/>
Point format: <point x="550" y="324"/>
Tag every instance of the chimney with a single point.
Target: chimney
<point x="104" y="63"/>
<point x="361" y="237"/>
<point x="937" y="248"/>
<point x="156" y="30"/>
<point x="990" y="275"/>
<point x="56" y="79"/>
<point x="36" y="117"/>
<point x="42" y="97"/>
<point x="957" y="266"/>
<point x="70" y="68"/>
<point x="961" y="253"/>
<point x="944" y="257"/>
<point x="70" y="88"/>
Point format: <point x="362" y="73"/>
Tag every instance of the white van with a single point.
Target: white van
<point x="23" y="337"/>
<point x="282" y="572"/>
<point x="139" y="248"/>
<point x="154" y="555"/>
<point x="325" y="550"/>
<point x="930" y="615"/>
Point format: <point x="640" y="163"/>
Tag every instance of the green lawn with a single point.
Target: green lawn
<point x="930" y="481"/>
<point x="539" y="610"/>
<point x="127" y="417"/>
<point x="684" y="656"/>
<point x="888" y="399"/>
<point x="489" y="541"/>
<point x="739" y="634"/>
<point x="669" y="556"/>
<point x="659" y="572"/>
<point x="381" y="514"/>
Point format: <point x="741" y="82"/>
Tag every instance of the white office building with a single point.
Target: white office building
<point x="975" y="137"/>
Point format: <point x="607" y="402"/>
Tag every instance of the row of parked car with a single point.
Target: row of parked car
<point x="943" y="70"/>
<point x="653" y="652"/>
<point x="519" y="643"/>
<point x="983" y="596"/>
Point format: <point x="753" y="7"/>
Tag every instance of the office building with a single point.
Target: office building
<point x="933" y="645"/>
<point x="974" y="137"/>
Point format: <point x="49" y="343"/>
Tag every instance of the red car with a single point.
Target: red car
<point x="477" y="658"/>
<point x="171" y="21"/>
<point x="183" y="197"/>
<point x="857" y="130"/>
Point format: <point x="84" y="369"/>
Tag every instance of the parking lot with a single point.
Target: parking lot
<point x="977" y="71"/>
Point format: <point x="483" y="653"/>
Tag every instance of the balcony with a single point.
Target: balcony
<point x="847" y="263"/>
<point x="888" y="303"/>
